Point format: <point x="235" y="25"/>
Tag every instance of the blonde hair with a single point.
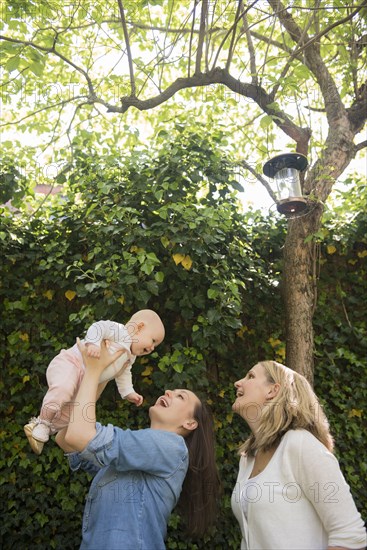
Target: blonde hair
<point x="295" y="406"/>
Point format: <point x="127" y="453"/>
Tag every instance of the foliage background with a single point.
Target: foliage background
<point x="163" y="229"/>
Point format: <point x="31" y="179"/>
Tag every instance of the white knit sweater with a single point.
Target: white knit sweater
<point x="300" y="501"/>
<point x="117" y="337"/>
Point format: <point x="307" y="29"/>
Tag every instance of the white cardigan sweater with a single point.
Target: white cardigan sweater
<point x="300" y="501"/>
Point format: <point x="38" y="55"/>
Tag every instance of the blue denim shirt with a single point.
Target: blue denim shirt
<point x="138" y="482"/>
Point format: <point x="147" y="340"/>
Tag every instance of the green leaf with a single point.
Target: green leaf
<point x="212" y="293"/>
<point x="159" y="277"/>
<point x="266" y="121"/>
<point x="153" y="288"/>
<point x="12" y="64"/>
<point x="36" y="68"/>
<point x="178" y="368"/>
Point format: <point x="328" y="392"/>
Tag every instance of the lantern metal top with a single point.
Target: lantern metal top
<point x="285" y="160"/>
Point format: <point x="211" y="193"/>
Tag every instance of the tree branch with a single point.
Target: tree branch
<point x="250" y="45"/>
<point x="199" y="52"/>
<point x="221" y="76"/>
<point x="92" y="94"/>
<point x="46" y="108"/>
<point x="237" y="18"/>
<point x="192" y="31"/>
<point x="361" y="146"/>
<point x="294" y="54"/>
<point x="272" y="42"/>
<point x="317" y="37"/>
<point x="357" y="113"/>
<point x="335" y="110"/>
<point x="229" y="32"/>
<point x="259" y="177"/>
<point x="53" y="139"/>
<point x="128" y="49"/>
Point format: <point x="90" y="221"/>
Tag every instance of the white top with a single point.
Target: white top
<point x="300" y="501"/>
<point x="117" y="337"/>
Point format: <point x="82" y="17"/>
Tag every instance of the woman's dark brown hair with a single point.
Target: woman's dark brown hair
<point x="200" y="491"/>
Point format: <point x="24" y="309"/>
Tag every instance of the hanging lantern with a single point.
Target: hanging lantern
<point x="285" y="170"/>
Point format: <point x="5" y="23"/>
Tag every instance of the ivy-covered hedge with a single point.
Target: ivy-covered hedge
<point x="162" y="231"/>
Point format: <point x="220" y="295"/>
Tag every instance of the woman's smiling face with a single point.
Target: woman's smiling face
<point x="175" y="411"/>
<point x="252" y="392"/>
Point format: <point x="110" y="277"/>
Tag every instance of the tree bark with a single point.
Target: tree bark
<point x="300" y="291"/>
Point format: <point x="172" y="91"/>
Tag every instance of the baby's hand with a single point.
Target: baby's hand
<point x="99" y="359"/>
<point x="135" y="398"/>
<point x="93" y="351"/>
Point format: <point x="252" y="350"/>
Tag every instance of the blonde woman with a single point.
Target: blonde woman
<point x="290" y="493"/>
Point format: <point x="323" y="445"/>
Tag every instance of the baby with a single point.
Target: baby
<point x="138" y="337"/>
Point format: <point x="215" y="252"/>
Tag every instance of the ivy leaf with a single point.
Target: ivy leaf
<point x="159" y="277"/>
<point x="70" y="295"/>
<point x="187" y="263"/>
<point x="178" y="258"/>
<point x="330" y="249"/>
<point x="147" y="371"/>
<point x="165" y="241"/>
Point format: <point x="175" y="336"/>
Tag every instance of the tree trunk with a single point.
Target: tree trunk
<point x="300" y="291"/>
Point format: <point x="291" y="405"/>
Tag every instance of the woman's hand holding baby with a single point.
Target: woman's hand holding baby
<point x="97" y="358"/>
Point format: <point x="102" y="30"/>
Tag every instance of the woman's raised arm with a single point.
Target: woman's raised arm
<point x="82" y="425"/>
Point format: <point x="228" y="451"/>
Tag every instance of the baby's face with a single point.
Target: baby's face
<point x="146" y="339"/>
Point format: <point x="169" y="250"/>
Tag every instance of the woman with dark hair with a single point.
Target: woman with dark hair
<point x="141" y="475"/>
<point x="290" y="492"/>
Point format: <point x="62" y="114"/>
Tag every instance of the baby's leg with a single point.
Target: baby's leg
<point x="64" y="375"/>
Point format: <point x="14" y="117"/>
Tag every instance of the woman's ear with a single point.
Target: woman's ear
<point x="190" y="424"/>
<point x="273" y="391"/>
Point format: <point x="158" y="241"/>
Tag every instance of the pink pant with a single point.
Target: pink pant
<point x="64" y="375"/>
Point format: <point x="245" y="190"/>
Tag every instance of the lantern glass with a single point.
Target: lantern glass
<point x="288" y="183"/>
